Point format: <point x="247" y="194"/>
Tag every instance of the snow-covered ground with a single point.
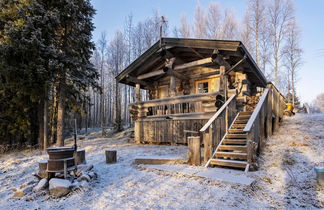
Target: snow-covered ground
<point x="286" y="178"/>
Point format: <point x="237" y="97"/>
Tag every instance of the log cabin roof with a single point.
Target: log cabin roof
<point x="188" y="50"/>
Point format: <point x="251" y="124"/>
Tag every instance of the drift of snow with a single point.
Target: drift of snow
<point x="286" y="178"/>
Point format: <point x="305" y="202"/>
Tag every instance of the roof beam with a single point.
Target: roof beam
<point x="218" y="58"/>
<point x="177" y="67"/>
<point x="194" y="63"/>
<point x="197" y="53"/>
<point x="136" y="80"/>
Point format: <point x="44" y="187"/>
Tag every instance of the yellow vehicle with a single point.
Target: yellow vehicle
<point x="289" y="111"/>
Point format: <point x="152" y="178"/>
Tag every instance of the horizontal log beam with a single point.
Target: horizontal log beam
<point x="151" y="74"/>
<point x="136" y="80"/>
<point x="200" y="62"/>
<point x="177" y="100"/>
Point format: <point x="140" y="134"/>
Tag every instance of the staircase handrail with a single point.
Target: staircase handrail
<point x="214" y="117"/>
<point x="256" y="111"/>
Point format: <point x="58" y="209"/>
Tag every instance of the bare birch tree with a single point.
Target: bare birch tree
<point x="293" y="56"/>
<point x="200" y="29"/>
<point x="255" y="20"/>
<point x="184" y="28"/>
<point x="213" y="21"/>
<point x="117" y="59"/>
<point x="280" y="13"/>
<point x="102" y="46"/>
<point x="230" y="26"/>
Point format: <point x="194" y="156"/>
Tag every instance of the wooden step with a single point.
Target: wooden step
<point x="242" y="126"/>
<point x="234" y="141"/>
<point x="229" y="163"/>
<point x="241" y="121"/>
<point x="232" y="147"/>
<point x="244" y="117"/>
<point x="245" y="113"/>
<point x="234" y="130"/>
<point x="236" y="136"/>
<point x="236" y="155"/>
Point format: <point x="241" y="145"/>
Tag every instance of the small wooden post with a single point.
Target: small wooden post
<point x="111" y="156"/>
<point x="79" y="157"/>
<point x="42" y="168"/>
<point x="194" y="150"/>
<point x="207" y="145"/>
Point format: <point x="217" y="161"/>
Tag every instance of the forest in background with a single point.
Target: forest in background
<point x="53" y="73"/>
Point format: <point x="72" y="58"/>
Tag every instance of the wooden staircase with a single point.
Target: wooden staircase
<point x="232" y="150"/>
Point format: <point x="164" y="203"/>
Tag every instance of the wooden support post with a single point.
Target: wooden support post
<point x="111" y="156"/>
<point x="172" y="86"/>
<point x="137" y="124"/>
<point x="207" y="146"/>
<point x="222" y="80"/>
<point x="194" y="150"/>
<point x="137" y="93"/>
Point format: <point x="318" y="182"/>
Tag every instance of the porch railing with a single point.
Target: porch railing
<point x="216" y="127"/>
<point x="185" y="105"/>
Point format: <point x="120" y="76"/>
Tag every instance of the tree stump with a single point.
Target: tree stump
<point x="42" y="168"/>
<point x="111" y="156"/>
<point x="194" y="150"/>
<point x="79" y="157"/>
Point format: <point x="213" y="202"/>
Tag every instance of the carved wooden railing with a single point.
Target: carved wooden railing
<point x="217" y="126"/>
<point x="187" y="105"/>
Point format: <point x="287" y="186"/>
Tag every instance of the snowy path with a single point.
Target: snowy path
<point x="286" y="178"/>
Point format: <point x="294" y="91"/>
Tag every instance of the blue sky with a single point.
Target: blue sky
<point x="111" y="15"/>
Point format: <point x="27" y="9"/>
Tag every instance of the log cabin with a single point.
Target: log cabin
<point x="211" y="89"/>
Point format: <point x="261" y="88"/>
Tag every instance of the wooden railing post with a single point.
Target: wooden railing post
<point x="194" y="150"/>
<point x="207" y="145"/>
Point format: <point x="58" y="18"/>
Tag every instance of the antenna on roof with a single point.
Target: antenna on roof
<point x="163" y="21"/>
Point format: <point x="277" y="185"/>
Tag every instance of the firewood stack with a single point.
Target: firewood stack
<point x="251" y="103"/>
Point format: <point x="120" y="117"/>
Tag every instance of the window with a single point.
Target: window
<point x="203" y="86"/>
